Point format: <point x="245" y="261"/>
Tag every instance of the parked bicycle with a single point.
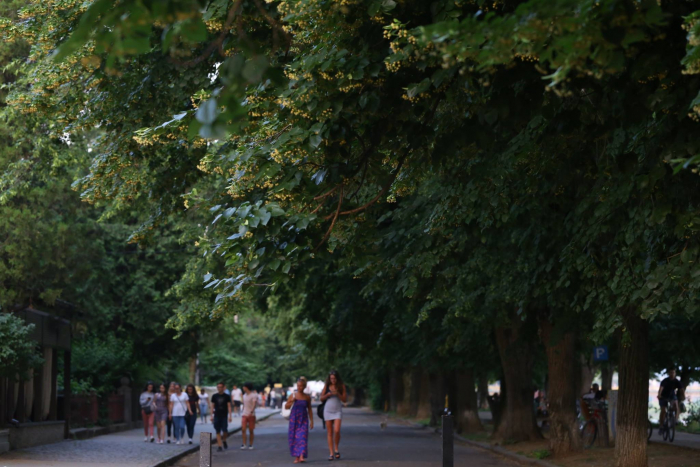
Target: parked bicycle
<point x="595" y="417"/>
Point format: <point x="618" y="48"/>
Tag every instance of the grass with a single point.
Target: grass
<point x="540" y="453"/>
<point x="693" y="427"/>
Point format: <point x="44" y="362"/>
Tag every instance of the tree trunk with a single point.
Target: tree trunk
<point x="359" y="398"/>
<point x="516" y="353"/>
<point x="564" y="435"/>
<point x="395" y="389"/>
<point x="437" y="397"/>
<point x="414" y="397"/>
<point x="466" y="410"/>
<point x="607" y="376"/>
<point x="631" y="439"/>
<point x="483" y="392"/>
<point x="584" y="375"/>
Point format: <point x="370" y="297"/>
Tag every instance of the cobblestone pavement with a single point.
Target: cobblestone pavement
<point x="126" y="448"/>
<point x="363" y="442"/>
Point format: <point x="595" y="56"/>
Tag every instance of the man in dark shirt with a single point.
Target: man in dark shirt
<point x="668" y="392"/>
<point x="221" y="411"/>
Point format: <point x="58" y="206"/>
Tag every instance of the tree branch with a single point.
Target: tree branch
<point x="381" y="193"/>
<point x="337" y="213"/>
<point x="218" y="41"/>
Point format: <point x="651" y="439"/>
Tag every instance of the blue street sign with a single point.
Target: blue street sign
<point x="600" y="353"/>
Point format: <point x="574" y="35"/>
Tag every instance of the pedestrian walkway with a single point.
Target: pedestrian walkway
<point x="363" y="442"/>
<point x="125" y="449"/>
<point x="687" y="440"/>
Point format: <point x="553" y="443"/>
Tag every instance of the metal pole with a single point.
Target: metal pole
<point x="448" y="454"/>
<point x="205" y="449"/>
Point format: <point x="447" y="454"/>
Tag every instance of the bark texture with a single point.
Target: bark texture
<point x="518" y="418"/>
<point x="466" y="409"/>
<point x="631" y="438"/>
<point x="437" y="397"/>
<point x="564" y="435"/>
<point x="483" y="392"/>
<point x="606" y="377"/>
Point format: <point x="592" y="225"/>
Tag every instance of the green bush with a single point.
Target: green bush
<point x="18" y="352"/>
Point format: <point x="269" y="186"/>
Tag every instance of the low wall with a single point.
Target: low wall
<point x="4" y="441"/>
<point x="35" y="434"/>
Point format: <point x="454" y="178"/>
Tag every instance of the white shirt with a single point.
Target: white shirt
<point x="203" y="399"/>
<point x="273" y="394"/>
<point x="236" y="394"/>
<point x="250" y="401"/>
<point x="179" y="404"/>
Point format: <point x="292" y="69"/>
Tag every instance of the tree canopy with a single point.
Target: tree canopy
<point x="406" y="182"/>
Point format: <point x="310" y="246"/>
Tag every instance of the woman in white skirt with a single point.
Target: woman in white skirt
<point x="334" y="395"/>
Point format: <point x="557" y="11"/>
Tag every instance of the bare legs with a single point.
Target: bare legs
<point x="161" y="431"/>
<point x="221" y="438"/>
<point x="333" y="433"/>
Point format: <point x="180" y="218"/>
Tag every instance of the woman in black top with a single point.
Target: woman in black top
<point x="191" y="419"/>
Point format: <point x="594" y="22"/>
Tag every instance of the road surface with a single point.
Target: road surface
<point x="363" y="442"/>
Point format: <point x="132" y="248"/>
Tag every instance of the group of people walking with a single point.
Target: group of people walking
<point x="301" y="417"/>
<point x="172" y="410"/>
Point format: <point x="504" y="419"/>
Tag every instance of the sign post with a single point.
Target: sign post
<point x="448" y="454"/>
<point x="600" y="353"/>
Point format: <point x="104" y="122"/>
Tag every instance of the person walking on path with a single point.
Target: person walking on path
<point x="273" y="398"/>
<point x="250" y="402"/>
<point x="148" y="410"/>
<point x="203" y="405"/>
<point x="237" y="397"/>
<point x="191" y="416"/>
<point x="169" y="421"/>
<point x="301" y="420"/>
<point x="179" y="406"/>
<point x="161" y="416"/>
<point x="334" y="395"/>
<point x="221" y="415"/>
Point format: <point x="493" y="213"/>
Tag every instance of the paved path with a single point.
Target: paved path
<point x="687" y="440"/>
<point x="118" y="449"/>
<point x="363" y="443"/>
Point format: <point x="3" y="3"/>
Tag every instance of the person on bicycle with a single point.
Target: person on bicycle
<point x="668" y="392"/>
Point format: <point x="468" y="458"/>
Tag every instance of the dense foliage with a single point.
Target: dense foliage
<point x="396" y="184"/>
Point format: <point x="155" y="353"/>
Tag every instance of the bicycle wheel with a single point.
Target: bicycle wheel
<point x="665" y="428"/>
<point x="671" y="430"/>
<point x="589" y="433"/>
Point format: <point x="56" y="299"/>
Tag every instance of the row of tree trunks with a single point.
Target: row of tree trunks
<point x="561" y="394"/>
<point x="632" y="417"/>
<point x="517" y="359"/>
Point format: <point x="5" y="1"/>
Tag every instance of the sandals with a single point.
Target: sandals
<point x="337" y="455"/>
<point x="331" y="458"/>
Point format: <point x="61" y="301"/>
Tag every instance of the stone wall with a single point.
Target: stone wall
<point x="35" y="434"/>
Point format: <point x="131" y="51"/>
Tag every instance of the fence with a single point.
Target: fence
<point x="85" y="409"/>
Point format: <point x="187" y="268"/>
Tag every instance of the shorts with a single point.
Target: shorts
<point x="663" y="402"/>
<point x="237" y="404"/>
<point x="248" y="420"/>
<point x="220" y="424"/>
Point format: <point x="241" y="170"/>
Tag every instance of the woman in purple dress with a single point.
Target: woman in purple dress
<point x="301" y="419"/>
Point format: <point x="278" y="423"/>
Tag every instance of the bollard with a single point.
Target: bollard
<point x="448" y="453"/>
<point x="205" y="450"/>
